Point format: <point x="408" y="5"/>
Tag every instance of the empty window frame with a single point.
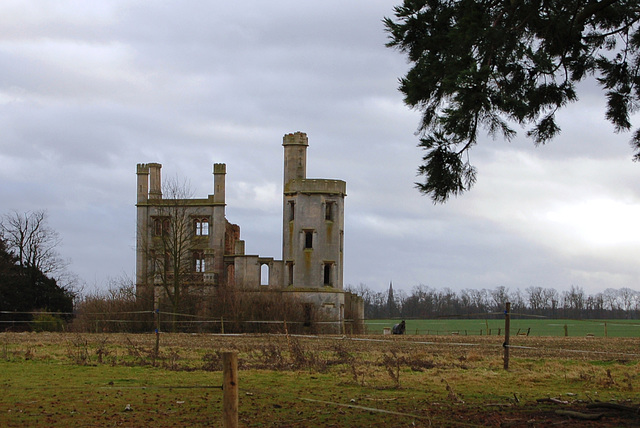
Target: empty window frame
<point x="161" y="226"/>
<point x="198" y="261"/>
<point x="327" y="273"/>
<point x="329" y="210"/>
<point x="290" y="271"/>
<point x="292" y="210"/>
<point x="308" y="239"/>
<point x="264" y="274"/>
<point x="201" y="226"/>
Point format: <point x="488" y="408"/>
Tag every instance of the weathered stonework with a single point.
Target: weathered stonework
<point x="312" y="243"/>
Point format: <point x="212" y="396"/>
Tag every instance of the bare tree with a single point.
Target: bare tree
<point x="574" y="301"/>
<point x="170" y="247"/>
<point x="535" y="297"/>
<point x="30" y="239"/>
<point x="499" y="297"/>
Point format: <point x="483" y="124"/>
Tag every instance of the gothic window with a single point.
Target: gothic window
<point x="161" y="226"/>
<point x="198" y="258"/>
<point x="264" y="274"/>
<point x="201" y="226"/>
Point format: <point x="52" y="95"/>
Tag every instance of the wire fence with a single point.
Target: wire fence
<point x="479" y="324"/>
<point x="163" y="321"/>
<point x="525" y="346"/>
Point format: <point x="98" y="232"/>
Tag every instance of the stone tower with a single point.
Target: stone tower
<point x="313" y="222"/>
<point x="311" y="269"/>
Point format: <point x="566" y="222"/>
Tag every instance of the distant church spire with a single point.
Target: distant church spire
<point x="391" y="302"/>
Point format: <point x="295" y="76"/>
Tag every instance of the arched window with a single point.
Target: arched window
<point x="201" y="226"/>
<point x="198" y="260"/>
<point x="161" y="226"/>
<point x="328" y="277"/>
<point x="264" y="274"/>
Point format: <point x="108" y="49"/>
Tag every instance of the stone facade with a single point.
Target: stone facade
<point x="311" y="267"/>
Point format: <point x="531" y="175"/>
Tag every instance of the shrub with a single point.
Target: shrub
<point x="47" y="322"/>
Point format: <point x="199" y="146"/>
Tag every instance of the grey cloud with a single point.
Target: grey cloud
<point x="87" y="90"/>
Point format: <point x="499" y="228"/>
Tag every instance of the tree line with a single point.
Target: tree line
<point x="426" y="302"/>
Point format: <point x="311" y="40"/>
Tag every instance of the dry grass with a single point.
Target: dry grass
<point x="447" y="381"/>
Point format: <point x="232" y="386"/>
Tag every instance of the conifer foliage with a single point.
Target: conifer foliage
<point x="487" y="65"/>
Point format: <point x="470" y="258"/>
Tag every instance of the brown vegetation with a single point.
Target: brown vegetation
<point x="301" y="381"/>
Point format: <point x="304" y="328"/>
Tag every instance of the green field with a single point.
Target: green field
<point x="535" y="327"/>
<point x="104" y="380"/>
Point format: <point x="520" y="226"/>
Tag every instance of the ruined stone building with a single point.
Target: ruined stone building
<point x="311" y="267"/>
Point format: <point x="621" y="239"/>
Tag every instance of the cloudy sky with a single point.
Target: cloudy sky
<point x="90" y="89"/>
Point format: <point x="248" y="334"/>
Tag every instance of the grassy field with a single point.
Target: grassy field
<point x="535" y="327"/>
<point x="62" y="379"/>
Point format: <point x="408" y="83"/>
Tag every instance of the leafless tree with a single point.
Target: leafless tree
<point x="574" y="301"/>
<point x="170" y="248"/>
<point x="499" y="297"/>
<point x="33" y="242"/>
<point x="536" y="299"/>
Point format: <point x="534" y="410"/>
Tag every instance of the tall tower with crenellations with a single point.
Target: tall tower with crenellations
<point x="313" y="222"/>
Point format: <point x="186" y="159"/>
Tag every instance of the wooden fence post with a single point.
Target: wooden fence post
<point x="229" y="390"/>
<point x="507" y="326"/>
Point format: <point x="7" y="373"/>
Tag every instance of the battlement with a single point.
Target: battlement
<point x="219" y="168"/>
<point x="142" y="168"/>
<point x="296" y="138"/>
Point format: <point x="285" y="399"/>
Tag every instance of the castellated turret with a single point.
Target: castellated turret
<point x="295" y="156"/>
<point x="313" y="222"/>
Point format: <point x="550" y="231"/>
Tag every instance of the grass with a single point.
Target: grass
<point x="51" y="379"/>
<point x="535" y="327"/>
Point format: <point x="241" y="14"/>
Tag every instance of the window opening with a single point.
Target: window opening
<point x="161" y="226"/>
<point x="290" y="267"/>
<point x="292" y="210"/>
<point x="264" y="274"/>
<point x="201" y="226"/>
<point x="327" y="274"/>
<point x="198" y="258"/>
<point x="328" y="211"/>
<point x="308" y="239"/>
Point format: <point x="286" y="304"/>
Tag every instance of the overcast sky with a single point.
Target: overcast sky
<point x="88" y="89"/>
